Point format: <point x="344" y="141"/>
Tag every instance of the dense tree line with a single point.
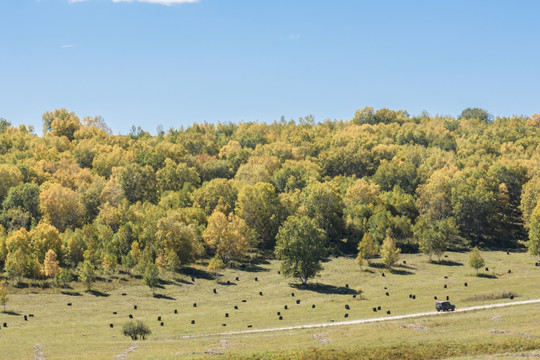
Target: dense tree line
<point x="81" y="197"/>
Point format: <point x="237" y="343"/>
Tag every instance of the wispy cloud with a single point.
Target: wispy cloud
<point x="294" y="36"/>
<point x="67" y="46"/>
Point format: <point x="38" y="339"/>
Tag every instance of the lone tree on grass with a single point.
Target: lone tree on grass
<point x="299" y="244"/>
<point x="4" y="294"/>
<point x="87" y="274"/>
<point x="136" y="329"/>
<point x="389" y="253"/>
<point x="151" y="276"/>
<point x="475" y="259"/>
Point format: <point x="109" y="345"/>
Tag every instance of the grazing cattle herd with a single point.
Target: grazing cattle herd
<point x="163" y="319"/>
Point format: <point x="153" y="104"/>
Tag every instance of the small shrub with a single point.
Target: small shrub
<point x="136" y="329"/>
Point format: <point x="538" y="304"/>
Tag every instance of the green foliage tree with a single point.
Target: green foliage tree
<point x="475" y="113"/>
<point x="63" y="278"/>
<point x="324" y="204"/>
<point x="389" y="252"/>
<point x="259" y="207"/>
<point x="476" y="261"/>
<point x="138" y="182"/>
<point x="151" y="277"/>
<point x="534" y="231"/>
<point x="87" y="274"/>
<point x="16" y="265"/>
<point x="300" y="247"/>
<point x="136" y="329"/>
<point x="10" y="176"/>
<point x="4" y="294"/>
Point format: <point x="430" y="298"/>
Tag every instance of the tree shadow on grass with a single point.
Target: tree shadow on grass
<point x="401" y="272"/>
<point x="377" y="265"/>
<point x="98" y="293"/>
<point x="253" y="268"/>
<point x="71" y="293"/>
<point x="447" y="263"/>
<point x="197" y="273"/>
<point x="165" y="297"/>
<point x="182" y="281"/>
<point x="13" y="313"/>
<point x="326" y="289"/>
<point x="487" y="276"/>
<point x="224" y="283"/>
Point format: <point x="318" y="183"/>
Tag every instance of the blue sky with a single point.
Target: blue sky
<point x="172" y="63"/>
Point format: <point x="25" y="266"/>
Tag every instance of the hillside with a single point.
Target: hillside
<point x="225" y="190"/>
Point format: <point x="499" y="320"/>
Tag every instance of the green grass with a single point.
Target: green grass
<point x="82" y="331"/>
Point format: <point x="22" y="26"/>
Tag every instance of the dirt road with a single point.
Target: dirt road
<point x="364" y="321"/>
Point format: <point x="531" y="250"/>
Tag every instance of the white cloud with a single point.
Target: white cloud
<point x="162" y="2"/>
<point x="76" y="1"/>
<point x="67" y="46"/>
<point x="294" y="36"/>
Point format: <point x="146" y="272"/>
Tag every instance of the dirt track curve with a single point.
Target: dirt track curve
<point x="362" y="321"/>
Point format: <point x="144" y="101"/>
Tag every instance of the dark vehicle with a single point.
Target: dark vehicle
<point x="444" y="306"/>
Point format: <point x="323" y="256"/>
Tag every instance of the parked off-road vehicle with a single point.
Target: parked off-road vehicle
<point x="444" y="306"/>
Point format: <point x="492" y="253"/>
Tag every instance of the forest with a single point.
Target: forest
<point x="79" y="196"/>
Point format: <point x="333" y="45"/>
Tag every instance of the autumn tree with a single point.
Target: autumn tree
<point x="367" y="248"/>
<point x="45" y="237"/>
<point x="208" y="196"/>
<point x="61" y="123"/>
<point x="216" y="265"/>
<point x="389" y="252"/>
<point x="60" y="206"/>
<point x="173" y="233"/>
<point x="226" y="236"/>
<point x="475" y="259"/>
<point x="299" y="244"/>
<point x="51" y="266"/>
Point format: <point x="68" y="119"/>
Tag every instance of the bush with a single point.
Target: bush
<point x="136" y="329"/>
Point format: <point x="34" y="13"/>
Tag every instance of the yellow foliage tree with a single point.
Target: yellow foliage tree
<point x="50" y="264"/>
<point x="60" y="206"/>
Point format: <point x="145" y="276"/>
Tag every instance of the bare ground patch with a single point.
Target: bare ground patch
<point x="38" y="353"/>
<point x="321" y="337"/>
<point x="126" y="352"/>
